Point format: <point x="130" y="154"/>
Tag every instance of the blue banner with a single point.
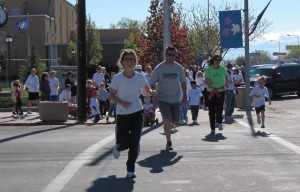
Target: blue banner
<point x="231" y="29"/>
<point x="23" y="24"/>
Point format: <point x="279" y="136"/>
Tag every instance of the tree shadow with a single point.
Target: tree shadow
<point x="112" y="184"/>
<point x="157" y="162"/>
<point x="214" y="137"/>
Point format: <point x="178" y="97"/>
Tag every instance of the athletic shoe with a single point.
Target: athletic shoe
<point x="14" y="113"/>
<point x="258" y="120"/>
<point x="220" y="126"/>
<point x="262" y="126"/>
<point x="116" y="152"/>
<point x="29" y="112"/>
<point x="195" y="123"/>
<point x="169" y="145"/>
<point x="131" y="175"/>
<point x="212" y="132"/>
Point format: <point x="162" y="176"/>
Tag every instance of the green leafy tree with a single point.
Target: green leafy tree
<point x="293" y="54"/>
<point x="93" y="45"/>
<point x="34" y="61"/>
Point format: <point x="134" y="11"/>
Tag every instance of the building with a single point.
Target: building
<point x="49" y="26"/>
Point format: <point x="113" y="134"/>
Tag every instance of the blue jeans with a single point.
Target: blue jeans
<point x="183" y="112"/>
<point x="230" y="102"/>
<point x="54" y="97"/>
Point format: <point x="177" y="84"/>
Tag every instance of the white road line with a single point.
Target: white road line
<point x="279" y="140"/>
<point x="58" y="183"/>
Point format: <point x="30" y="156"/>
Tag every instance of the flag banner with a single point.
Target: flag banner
<point x="258" y="19"/>
<point x="231" y="29"/>
<point x="22" y="24"/>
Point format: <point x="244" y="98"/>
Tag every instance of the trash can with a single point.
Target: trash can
<point x="241" y="97"/>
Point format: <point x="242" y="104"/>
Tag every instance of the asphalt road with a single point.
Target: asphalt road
<point x="77" y="158"/>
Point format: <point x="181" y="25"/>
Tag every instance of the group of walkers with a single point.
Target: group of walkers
<point x="167" y="85"/>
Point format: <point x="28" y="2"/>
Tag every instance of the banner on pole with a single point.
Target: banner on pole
<point x="231" y="29"/>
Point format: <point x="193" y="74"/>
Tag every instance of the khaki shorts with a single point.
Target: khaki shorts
<point x="169" y="110"/>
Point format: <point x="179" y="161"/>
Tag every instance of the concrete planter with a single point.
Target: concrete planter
<point x="54" y="111"/>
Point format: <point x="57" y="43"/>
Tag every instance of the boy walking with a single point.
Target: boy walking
<point x="195" y="95"/>
<point x="259" y="93"/>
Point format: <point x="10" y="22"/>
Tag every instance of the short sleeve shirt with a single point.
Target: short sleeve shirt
<point x="168" y="81"/>
<point x="128" y="90"/>
<point x="217" y="77"/>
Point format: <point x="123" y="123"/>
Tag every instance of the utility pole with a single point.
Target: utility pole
<point x="166" y="25"/>
<point x="247" y="57"/>
<point x="81" y="61"/>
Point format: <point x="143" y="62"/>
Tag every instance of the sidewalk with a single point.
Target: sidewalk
<point x="6" y="118"/>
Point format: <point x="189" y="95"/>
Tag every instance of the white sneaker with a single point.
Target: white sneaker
<point x="116" y="152"/>
<point x="29" y="112"/>
<point x="131" y="174"/>
<point x="220" y="126"/>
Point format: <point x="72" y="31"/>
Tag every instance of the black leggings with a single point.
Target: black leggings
<point x="129" y="130"/>
<point x="215" y="109"/>
<point x="18" y="107"/>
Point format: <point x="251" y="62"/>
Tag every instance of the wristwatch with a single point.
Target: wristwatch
<point x="3" y="15"/>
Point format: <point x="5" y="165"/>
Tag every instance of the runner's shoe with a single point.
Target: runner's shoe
<point x="131" y="175"/>
<point x="116" y="152"/>
<point x="169" y="145"/>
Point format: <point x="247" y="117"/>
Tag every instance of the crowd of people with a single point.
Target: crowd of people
<point x="132" y="96"/>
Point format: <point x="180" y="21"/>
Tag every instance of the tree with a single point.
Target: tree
<point x="293" y="54"/>
<point x="93" y="46"/>
<point x="34" y="61"/>
<point x="152" y="39"/>
<point x="264" y="57"/>
<point x="204" y="27"/>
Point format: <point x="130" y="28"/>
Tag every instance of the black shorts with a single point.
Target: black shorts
<point x="33" y="96"/>
<point x="260" y="108"/>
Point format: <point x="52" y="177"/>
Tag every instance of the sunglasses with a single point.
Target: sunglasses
<point x="172" y="55"/>
<point x="128" y="59"/>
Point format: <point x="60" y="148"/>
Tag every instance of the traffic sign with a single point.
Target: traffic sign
<point x="279" y="53"/>
<point x="254" y="54"/>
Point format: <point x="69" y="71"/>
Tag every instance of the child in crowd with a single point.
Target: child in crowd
<point x="259" y="93"/>
<point x="102" y="97"/>
<point x="17" y="96"/>
<point x="149" y="115"/>
<point x="65" y="95"/>
<point x="94" y="105"/>
<point x="195" y="95"/>
<point x="89" y="89"/>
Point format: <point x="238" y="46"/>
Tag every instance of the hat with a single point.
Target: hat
<point x="138" y="67"/>
<point x="103" y="68"/>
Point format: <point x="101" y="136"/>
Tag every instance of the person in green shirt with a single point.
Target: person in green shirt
<point x="215" y="78"/>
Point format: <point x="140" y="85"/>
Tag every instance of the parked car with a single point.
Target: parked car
<point x="252" y="67"/>
<point x="281" y="79"/>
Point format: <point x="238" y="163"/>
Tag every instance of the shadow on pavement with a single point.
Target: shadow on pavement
<point x="262" y="133"/>
<point x="32" y="133"/>
<point x="214" y="137"/>
<point x="112" y="184"/>
<point x="159" y="161"/>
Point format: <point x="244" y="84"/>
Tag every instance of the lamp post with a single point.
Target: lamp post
<point x="8" y="40"/>
<point x="297" y="44"/>
<point x="278" y="57"/>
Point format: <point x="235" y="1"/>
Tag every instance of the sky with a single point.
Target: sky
<point x="284" y="15"/>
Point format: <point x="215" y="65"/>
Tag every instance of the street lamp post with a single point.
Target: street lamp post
<point x="278" y="55"/>
<point x="8" y="41"/>
<point x="297" y="44"/>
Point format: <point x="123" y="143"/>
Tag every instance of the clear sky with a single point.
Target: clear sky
<point x="284" y="15"/>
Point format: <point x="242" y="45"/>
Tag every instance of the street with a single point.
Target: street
<point x="77" y="158"/>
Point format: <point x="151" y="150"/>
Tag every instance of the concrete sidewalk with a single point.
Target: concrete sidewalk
<point x="7" y="119"/>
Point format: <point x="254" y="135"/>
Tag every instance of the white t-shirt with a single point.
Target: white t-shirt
<point x="32" y="83"/>
<point x="262" y="92"/>
<point x="65" y="95"/>
<point x="128" y="90"/>
<point x="54" y="85"/>
<point x="194" y="96"/>
<point x="200" y="82"/>
<point x="98" y="78"/>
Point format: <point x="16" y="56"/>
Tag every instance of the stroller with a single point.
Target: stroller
<point x="149" y="113"/>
